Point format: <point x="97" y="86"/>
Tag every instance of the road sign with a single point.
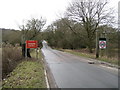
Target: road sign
<point x="102" y="43"/>
<point x="31" y="44"/>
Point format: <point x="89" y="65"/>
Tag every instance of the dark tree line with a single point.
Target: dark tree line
<point x="60" y="34"/>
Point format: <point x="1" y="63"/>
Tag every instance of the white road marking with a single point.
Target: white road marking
<point x="46" y="79"/>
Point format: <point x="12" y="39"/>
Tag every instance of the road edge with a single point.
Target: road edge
<point x="49" y="76"/>
<point x="95" y="61"/>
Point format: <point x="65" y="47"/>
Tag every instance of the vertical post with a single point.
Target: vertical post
<point x="37" y="53"/>
<point x="97" y="46"/>
<point x="106" y="49"/>
<point x="25" y="50"/>
<point x="23" y="43"/>
<point x="37" y="50"/>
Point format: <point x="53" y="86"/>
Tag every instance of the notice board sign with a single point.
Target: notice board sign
<point x="102" y="43"/>
<point x="31" y="44"/>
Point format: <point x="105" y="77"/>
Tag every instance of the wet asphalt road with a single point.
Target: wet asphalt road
<point x="70" y="71"/>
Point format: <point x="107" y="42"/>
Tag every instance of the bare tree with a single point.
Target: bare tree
<point x="91" y="14"/>
<point x="30" y="30"/>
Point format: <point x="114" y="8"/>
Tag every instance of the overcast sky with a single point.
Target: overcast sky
<point x="13" y="12"/>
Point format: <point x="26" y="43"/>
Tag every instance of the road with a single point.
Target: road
<point x="70" y="71"/>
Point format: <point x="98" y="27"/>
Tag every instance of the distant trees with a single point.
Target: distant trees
<point x="60" y="34"/>
<point x="90" y="14"/>
<point x="78" y="27"/>
<point x="30" y="31"/>
<point x="11" y="36"/>
<point x="68" y="34"/>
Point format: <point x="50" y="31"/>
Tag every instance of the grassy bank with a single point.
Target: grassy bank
<point x="28" y="74"/>
<point x="88" y="55"/>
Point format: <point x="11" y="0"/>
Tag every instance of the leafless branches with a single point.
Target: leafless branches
<point x="34" y="26"/>
<point x="91" y="14"/>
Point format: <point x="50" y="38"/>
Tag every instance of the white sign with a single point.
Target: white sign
<point x="102" y="44"/>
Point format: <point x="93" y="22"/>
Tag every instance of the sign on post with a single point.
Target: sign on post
<point x="102" y="43"/>
<point x="31" y="44"/>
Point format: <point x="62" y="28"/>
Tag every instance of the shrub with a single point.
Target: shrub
<point x="11" y="56"/>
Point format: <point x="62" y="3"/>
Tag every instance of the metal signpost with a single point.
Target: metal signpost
<point x="32" y="44"/>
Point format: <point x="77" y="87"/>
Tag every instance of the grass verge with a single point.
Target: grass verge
<point x="109" y="60"/>
<point x="28" y="74"/>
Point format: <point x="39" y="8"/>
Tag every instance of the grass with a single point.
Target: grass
<point x="28" y="74"/>
<point x="34" y="54"/>
<point x="88" y="55"/>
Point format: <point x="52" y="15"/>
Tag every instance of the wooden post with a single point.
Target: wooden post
<point x="25" y="51"/>
<point x="37" y="53"/>
<point x="97" y="45"/>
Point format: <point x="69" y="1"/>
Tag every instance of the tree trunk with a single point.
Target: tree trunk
<point x="28" y="53"/>
<point x="24" y="51"/>
<point x="90" y="46"/>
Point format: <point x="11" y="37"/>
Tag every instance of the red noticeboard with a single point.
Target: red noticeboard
<point x="31" y="44"/>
